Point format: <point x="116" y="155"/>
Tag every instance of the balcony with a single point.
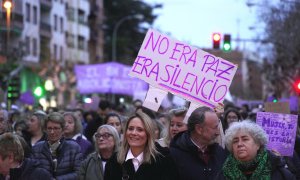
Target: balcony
<point x="46" y="5"/>
<point x="16" y="23"/>
<point x="45" y="30"/>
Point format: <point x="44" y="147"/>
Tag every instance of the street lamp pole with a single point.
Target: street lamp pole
<point x="115" y="31"/>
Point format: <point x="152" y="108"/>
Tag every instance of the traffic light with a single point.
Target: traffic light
<point x="216" y="40"/>
<point x="297" y="86"/>
<point x="227" y="43"/>
<point x="13" y="88"/>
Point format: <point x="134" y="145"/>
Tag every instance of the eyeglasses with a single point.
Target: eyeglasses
<point x="104" y="136"/>
<point x="55" y="129"/>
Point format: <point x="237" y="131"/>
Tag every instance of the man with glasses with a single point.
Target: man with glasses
<point x="4" y="126"/>
<point x="195" y="151"/>
<point x="60" y="157"/>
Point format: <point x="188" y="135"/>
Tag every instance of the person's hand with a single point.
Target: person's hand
<point x="276" y="152"/>
<point x="219" y="109"/>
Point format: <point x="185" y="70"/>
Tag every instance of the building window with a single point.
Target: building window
<point x="70" y="40"/>
<point x="35" y="15"/>
<point x="61" y="24"/>
<point x="27" y="39"/>
<point x="55" y="22"/>
<point x="55" y="51"/>
<point x="81" y="16"/>
<point x="81" y="43"/>
<point x="34" y="46"/>
<point x="27" y="12"/>
<point x="61" y="53"/>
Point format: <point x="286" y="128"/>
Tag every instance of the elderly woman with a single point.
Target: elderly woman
<point x="62" y="158"/>
<point x="138" y="157"/>
<point x="107" y="143"/>
<point x="73" y="129"/>
<point x="249" y="159"/>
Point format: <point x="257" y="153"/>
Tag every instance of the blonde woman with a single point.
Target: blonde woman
<point x="138" y="157"/>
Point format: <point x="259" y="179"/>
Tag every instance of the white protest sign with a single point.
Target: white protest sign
<point x="184" y="70"/>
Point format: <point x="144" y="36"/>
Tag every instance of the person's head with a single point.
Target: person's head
<point x="54" y="126"/>
<point x="163" y="118"/>
<point x="11" y="152"/>
<point x="36" y="122"/>
<point x="3" y="121"/>
<point x="114" y="120"/>
<point x="159" y="127"/>
<point x="137" y="103"/>
<point x="19" y="127"/>
<point x="230" y="116"/>
<point x="243" y="139"/>
<point x="176" y="117"/>
<point x="106" y="139"/>
<point x="104" y="108"/>
<point x="73" y="124"/>
<point x="139" y="137"/>
<point x="203" y="124"/>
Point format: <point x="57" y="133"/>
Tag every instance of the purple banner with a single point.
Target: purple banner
<point x="281" y="129"/>
<point x="107" y="78"/>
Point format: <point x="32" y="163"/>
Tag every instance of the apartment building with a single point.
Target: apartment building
<point x="48" y="30"/>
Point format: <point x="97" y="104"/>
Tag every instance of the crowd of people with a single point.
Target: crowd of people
<point x="141" y="145"/>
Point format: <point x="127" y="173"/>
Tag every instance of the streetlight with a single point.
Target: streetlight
<point x="114" y="37"/>
<point x="7" y="4"/>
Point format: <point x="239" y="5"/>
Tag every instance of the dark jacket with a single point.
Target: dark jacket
<point x="278" y="171"/>
<point x="162" y="169"/>
<point x="69" y="159"/>
<point x="92" y="127"/>
<point x="91" y="168"/>
<point x="85" y="146"/>
<point x="29" y="170"/>
<point x="189" y="164"/>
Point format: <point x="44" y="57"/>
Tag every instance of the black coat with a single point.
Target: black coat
<point x="162" y="169"/>
<point x="278" y="171"/>
<point x="29" y="170"/>
<point x="189" y="164"/>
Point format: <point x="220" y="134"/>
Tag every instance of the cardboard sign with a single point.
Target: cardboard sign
<point x="281" y="129"/>
<point x="278" y="107"/>
<point x="183" y="70"/>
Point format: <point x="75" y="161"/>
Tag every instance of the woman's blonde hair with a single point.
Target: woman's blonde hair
<point x="150" y="149"/>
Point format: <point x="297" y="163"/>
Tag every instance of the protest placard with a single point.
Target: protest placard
<point x="278" y="107"/>
<point x="184" y="70"/>
<point x="107" y="78"/>
<point x="281" y="129"/>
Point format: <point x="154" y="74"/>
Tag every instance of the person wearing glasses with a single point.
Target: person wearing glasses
<point x="106" y="143"/>
<point x="231" y="115"/>
<point x="195" y="151"/>
<point x="62" y="158"/>
<point x="138" y="157"/>
<point x="176" y="125"/>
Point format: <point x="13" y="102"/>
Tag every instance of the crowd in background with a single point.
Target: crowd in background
<point x="140" y="144"/>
